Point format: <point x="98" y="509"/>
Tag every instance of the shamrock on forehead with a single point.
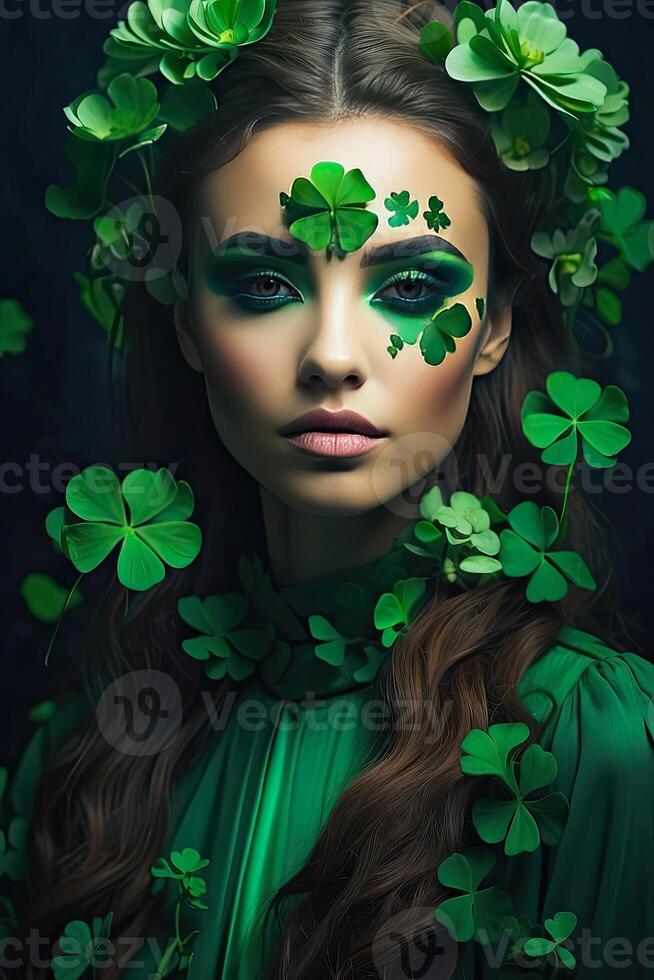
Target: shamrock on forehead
<point x="328" y="211"/>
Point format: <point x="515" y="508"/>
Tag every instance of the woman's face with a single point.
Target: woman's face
<point x="279" y="330"/>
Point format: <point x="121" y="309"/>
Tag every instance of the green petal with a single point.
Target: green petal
<point x="138" y="566"/>
<point x="354" y="189"/>
<point x="546" y="584"/>
<point x="354" y="227"/>
<point x="518" y="558"/>
<point x="303" y="192"/>
<point x="608" y="438"/>
<point x="315" y="230"/>
<point x="388" y="611"/>
<point x="89" y="544"/>
<point x="523" y="833"/>
<point x="176" y="542"/>
<point x="148" y="493"/>
<point x="563" y="452"/>
<point x="181" y="507"/>
<point x="94" y="495"/>
<point x="542" y="429"/>
<point x="326" y="178"/>
<point x="574" y="396"/>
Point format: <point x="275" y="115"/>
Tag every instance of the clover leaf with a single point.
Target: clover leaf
<point x="45" y="598"/>
<point x="334" y="643"/>
<point x="184" y="867"/>
<point x="82" y="946"/>
<point x="405" y="210"/>
<point x="228" y="651"/>
<point x="435" y="41"/>
<point x="128" y="112"/>
<point x="467" y="522"/>
<point x="394" y="610"/>
<point x="521" y="134"/>
<point x="622" y="219"/>
<point x="435" y="216"/>
<point x="560" y="927"/>
<point x="102" y="297"/>
<point x="15" y="324"/>
<point x="445" y="327"/>
<point x="523" y="823"/>
<point x="526" y="552"/>
<point x="93" y="163"/>
<point x="496" y="51"/>
<point x="573" y="268"/>
<point x="574" y="409"/>
<point x="478" y="912"/>
<point x="596" y="139"/>
<point x="156" y="532"/>
<point x="328" y="211"/>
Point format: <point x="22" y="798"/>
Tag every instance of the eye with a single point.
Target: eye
<point x="411" y="292"/>
<point x="265" y="290"/>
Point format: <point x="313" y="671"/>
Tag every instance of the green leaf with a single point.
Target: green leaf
<point x="45" y="598"/>
<point x="15" y="324"/>
<point x="435" y="41"/>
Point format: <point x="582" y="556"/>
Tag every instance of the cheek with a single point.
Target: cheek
<point x="240" y="372"/>
<point x="437" y="396"/>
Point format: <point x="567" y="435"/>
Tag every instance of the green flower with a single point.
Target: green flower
<point x="559" y="928"/>
<point x="231" y="652"/>
<point x="525" y="551"/>
<point x="574" y="253"/>
<point x="466" y="522"/>
<point x="15" y="324"/>
<point x="439" y="337"/>
<point x="329" y="210"/>
<point x="394" y="610"/>
<point x="184" y="39"/>
<point x="82" y="946"/>
<point x="45" y="598"/>
<point x="435" y="216"/>
<point x="405" y="210"/>
<point x="184" y="867"/>
<point x="521" y="822"/>
<point x="521" y="133"/>
<point x="622" y="216"/>
<point x="577" y="408"/>
<point x="156" y="532"/>
<point x="505" y="45"/>
<point x="476" y="913"/>
<point x="596" y="139"/>
<point x="96" y="119"/>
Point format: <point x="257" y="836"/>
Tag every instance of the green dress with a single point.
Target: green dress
<point x="301" y="727"/>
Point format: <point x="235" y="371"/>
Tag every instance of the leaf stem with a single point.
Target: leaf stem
<point x="71" y="592"/>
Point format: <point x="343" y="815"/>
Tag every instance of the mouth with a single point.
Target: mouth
<point x="344" y="434"/>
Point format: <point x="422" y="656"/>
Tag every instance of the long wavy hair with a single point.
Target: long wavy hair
<point x="100" y="816"/>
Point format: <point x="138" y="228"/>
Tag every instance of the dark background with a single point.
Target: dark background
<point x="54" y="398"/>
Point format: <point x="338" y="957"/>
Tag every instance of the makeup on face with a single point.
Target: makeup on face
<point x="411" y="278"/>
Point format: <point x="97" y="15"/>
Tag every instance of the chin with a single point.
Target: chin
<point x="345" y="494"/>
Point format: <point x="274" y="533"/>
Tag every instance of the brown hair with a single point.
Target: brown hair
<point x="100" y="816"/>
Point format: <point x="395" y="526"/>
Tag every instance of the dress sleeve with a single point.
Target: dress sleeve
<point x="603" y="741"/>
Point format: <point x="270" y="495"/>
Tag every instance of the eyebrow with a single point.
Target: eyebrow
<point x="293" y="250"/>
<point x="408" y="248"/>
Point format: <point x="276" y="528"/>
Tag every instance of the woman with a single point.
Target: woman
<point x="324" y="784"/>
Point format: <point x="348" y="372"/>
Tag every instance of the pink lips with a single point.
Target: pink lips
<point x="342" y="434"/>
<point x="344" y="444"/>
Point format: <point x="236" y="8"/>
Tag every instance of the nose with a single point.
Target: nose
<point x="333" y="356"/>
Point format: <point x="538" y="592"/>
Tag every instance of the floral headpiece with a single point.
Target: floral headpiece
<point x="553" y="110"/>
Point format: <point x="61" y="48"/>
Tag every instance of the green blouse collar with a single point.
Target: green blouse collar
<point x="325" y="638"/>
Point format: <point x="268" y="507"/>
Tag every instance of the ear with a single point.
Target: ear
<point x="187" y="343"/>
<point x="498" y="333"/>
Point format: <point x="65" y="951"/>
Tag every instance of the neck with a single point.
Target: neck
<point x="303" y="545"/>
